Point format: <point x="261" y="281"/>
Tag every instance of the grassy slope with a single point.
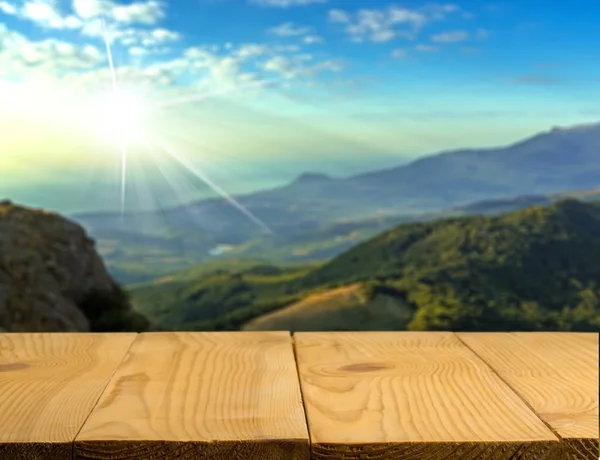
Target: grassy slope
<point x="344" y="308"/>
<point x="221" y="299"/>
<point x="534" y="269"/>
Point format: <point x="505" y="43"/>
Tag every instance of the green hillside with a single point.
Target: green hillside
<point x="134" y="259"/>
<point x="535" y="269"/>
<point x="346" y="308"/>
<point x="223" y="299"/>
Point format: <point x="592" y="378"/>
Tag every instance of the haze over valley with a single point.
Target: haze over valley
<point x="317" y="216"/>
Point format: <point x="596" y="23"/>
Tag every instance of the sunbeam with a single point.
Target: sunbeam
<point x="179" y="186"/>
<point x="199" y="97"/>
<point x="111" y="65"/>
<point x="350" y="138"/>
<point x="190" y="140"/>
<point x="113" y="75"/>
<point x="141" y="190"/>
<point x="171" y="152"/>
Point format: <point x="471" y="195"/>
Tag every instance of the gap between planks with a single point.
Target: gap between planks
<point x="350" y="358"/>
<point x="49" y="383"/>
<point x="197" y="395"/>
<point x="101" y="393"/>
<point x="566" y="362"/>
<point x="517" y="393"/>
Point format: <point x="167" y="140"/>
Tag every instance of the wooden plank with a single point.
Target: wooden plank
<point x="409" y="396"/>
<point x="556" y="374"/>
<point x="49" y="383"/>
<point x="217" y="395"/>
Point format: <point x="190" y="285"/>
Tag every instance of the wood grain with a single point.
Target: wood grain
<point x="216" y="395"/>
<point x="409" y="396"/>
<point x="49" y="383"/>
<point x="556" y="374"/>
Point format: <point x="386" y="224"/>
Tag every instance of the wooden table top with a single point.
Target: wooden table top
<point x="313" y="395"/>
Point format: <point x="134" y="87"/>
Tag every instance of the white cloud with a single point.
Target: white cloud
<point x="383" y="25"/>
<point x="131" y="36"/>
<point x="207" y="68"/>
<point x="149" y="77"/>
<point x="399" y="53"/>
<point x="339" y="16"/>
<point x="286" y="48"/>
<point x="296" y="67"/>
<point x="405" y="16"/>
<point x="143" y="12"/>
<point x="251" y="49"/>
<point x="8" y="8"/>
<point x="88" y="9"/>
<point x="280" y="64"/>
<point x="427" y="48"/>
<point x="42" y="12"/>
<point x="5" y="33"/>
<point x="438" y="12"/>
<point x="148" y="38"/>
<point x="304" y="57"/>
<point x="20" y="56"/>
<point x="285" y="3"/>
<point x="138" y="51"/>
<point x="481" y="34"/>
<point x="84" y="66"/>
<point x="450" y="37"/>
<point x="249" y="64"/>
<point x="378" y="25"/>
<point x="218" y="72"/>
<point x="45" y="13"/>
<point x="148" y="12"/>
<point x="288" y="29"/>
<point x="158" y="36"/>
<point x="312" y="39"/>
<point x="226" y="70"/>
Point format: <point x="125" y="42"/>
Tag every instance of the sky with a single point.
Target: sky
<point x="108" y="104"/>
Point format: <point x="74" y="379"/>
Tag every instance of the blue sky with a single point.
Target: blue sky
<point x="253" y="92"/>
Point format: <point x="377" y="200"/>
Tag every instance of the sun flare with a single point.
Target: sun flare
<point x="120" y="117"/>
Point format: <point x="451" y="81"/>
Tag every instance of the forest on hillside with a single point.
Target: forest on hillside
<point x="535" y="269"/>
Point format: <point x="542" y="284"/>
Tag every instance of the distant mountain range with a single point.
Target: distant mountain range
<point x="555" y="161"/>
<point x="533" y="269"/>
<point x="550" y="163"/>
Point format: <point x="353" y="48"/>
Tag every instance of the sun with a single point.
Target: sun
<point x="120" y="117"/>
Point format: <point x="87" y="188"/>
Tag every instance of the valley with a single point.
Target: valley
<point x="531" y="269"/>
<point x="317" y="217"/>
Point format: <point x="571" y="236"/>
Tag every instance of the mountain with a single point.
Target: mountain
<point x="534" y="269"/>
<point x="52" y="279"/>
<point x="312" y="178"/>
<point x="520" y="202"/>
<point x="559" y="160"/>
<point x="144" y="258"/>
<point x="553" y="162"/>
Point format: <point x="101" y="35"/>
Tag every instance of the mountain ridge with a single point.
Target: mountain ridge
<point x="318" y="176"/>
<point x="532" y="269"/>
<point x="407" y="169"/>
<point x="555" y="161"/>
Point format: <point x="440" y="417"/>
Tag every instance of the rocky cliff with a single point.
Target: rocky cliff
<point x="52" y="278"/>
